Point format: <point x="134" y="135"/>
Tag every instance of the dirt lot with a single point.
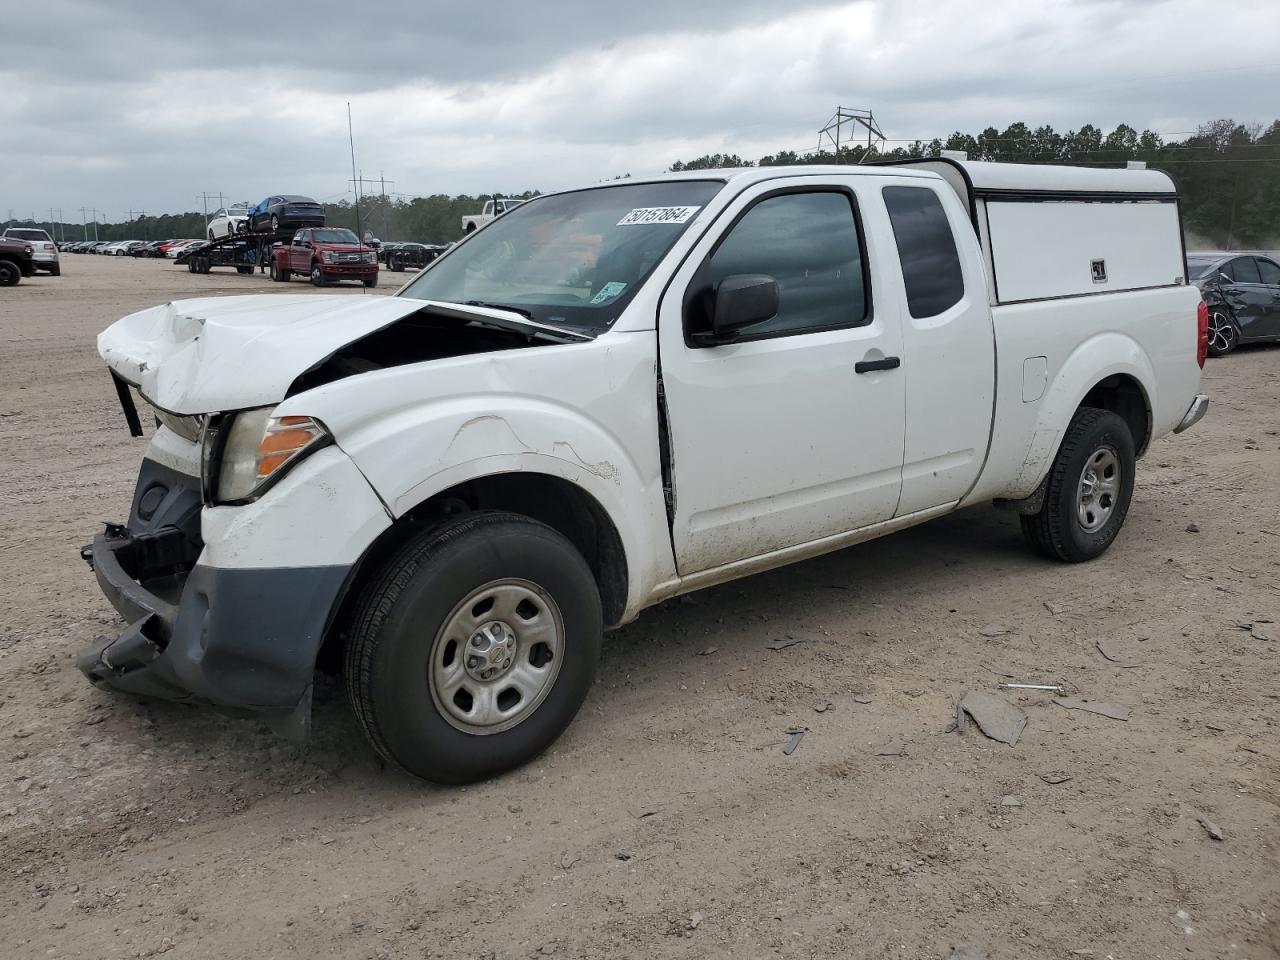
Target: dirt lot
<point x="668" y="822"/>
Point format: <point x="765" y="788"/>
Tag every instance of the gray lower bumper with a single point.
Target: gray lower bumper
<point x="244" y="640"/>
<point x="1195" y="413"/>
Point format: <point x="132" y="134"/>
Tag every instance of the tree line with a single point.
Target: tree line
<point x="1228" y="173"/>
<point x="1228" y="176"/>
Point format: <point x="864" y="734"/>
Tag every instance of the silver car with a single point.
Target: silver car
<point x="43" y="250"/>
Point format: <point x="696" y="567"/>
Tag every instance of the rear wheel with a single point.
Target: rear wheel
<point x="10" y="273"/>
<point x="55" y="270"/>
<point x="211" y="235"/>
<point x="1223" y="336"/>
<point x="275" y="224"/>
<point x="1088" y="489"/>
<point x="244" y="269"/>
<point x="474" y="647"/>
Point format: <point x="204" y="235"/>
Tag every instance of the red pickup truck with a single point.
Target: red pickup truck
<point x="327" y="255"/>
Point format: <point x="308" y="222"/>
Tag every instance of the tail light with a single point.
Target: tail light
<point x="1202" y="333"/>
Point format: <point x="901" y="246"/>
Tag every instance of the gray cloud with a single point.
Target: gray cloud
<point x="147" y="110"/>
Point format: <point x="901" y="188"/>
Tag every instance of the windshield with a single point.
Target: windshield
<point x="333" y="236"/>
<point x="28" y="234"/>
<point x="571" y="259"/>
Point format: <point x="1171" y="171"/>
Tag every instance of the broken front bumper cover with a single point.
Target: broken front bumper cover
<point x="241" y="640"/>
<point x="1195" y="413"/>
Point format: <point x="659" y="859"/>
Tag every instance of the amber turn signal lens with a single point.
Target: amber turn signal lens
<point x="285" y="438"/>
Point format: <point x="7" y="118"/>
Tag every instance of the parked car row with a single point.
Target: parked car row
<point x="398" y="255"/>
<point x="131" y="248"/>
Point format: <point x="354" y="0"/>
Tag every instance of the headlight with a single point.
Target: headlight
<point x="370" y="257"/>
<point x="253" y="449"/>
<point x="328" y="256"/>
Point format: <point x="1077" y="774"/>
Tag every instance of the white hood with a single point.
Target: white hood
<point x="229" y="353"/>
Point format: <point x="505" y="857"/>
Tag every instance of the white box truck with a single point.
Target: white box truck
<point x="615" y="395"/>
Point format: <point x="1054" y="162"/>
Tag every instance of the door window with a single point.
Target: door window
<point x="1243" y="270"/>
<point x="926" y="249"/>
<point x="1269" y="272"/>
<point x="809" y="244"/>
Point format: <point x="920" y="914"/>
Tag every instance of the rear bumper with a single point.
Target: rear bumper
<point x="1195" y="413"/>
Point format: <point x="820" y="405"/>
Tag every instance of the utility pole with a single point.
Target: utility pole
<point x="351" y="140"/>
<point x="205" y="197"/>
<point x="84" y="218"/>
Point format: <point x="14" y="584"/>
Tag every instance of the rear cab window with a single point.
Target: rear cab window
<point x="809" y="242"/>
<point x="927" y="250"/>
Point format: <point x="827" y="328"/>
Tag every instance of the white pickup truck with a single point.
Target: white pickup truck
<point x="615" y="395"/>
<point x="492" y="209"/>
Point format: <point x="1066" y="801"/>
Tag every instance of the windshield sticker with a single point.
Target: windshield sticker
<point x="647" y="215"/>
<point x="609" y="291"/>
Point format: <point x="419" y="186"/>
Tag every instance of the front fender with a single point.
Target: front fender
<point x="424" y="450"/>
<point x="1093" y="361"/>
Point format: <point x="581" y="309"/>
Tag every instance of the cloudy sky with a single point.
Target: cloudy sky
<point x="144" y="104"/>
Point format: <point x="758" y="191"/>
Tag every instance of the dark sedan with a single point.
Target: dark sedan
<point x="1243" y="294"/>
<point x="285" y="212"/>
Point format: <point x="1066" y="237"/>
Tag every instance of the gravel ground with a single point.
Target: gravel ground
<point x="668" y="822"/>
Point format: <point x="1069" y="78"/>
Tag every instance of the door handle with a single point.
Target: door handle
<point x="888" y="363"/>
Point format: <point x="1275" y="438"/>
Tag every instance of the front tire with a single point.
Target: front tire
<point x="370" y="281"/>
<point x="1089" y="488"/>
<point x="474" y="648"/>
<point x="1223" y="336"/>
<point x="275" y="224"/>
<point x="317" y="275"/>
<point x="10" y="273"/>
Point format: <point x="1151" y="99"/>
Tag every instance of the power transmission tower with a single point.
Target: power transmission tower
<point x="852" y="118"/>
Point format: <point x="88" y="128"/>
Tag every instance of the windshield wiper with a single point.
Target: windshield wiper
<point x="528" y="315"/>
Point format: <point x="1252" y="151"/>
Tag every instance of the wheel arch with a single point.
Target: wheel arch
<point x="559" y="503"/>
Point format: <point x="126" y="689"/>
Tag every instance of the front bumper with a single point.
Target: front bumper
<point x="349" y="269"/>
<point x="1195" y="413"/>
<point x="243" y="639"/>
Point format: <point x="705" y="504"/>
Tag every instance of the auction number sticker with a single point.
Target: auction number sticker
<point x="646" y="215"/>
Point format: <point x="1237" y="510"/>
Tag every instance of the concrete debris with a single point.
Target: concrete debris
<point x="1211" y="828"/>
<point x="996" y="717"/>
<point x="794" y="736"/>
<point x="894" y="748"/>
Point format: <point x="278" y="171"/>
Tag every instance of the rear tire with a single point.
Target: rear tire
<point x="1088" y="490"/>
<point x="244" y="269"/>
<point x="1223" y="336"/>
<point x="55" y="270"/>
<point x="474" y="647"/>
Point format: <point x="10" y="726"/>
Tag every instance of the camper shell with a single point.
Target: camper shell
<point x="1050" y="231"/>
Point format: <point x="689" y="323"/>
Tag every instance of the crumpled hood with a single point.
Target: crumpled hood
<point x="216" y="354"/>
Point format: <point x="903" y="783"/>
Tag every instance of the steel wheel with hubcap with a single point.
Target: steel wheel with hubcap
<point x="1222" y="333"/>
<point x="472" y="647"/>
<point x="1088" y="489"/>
<point x="497" y="656"/>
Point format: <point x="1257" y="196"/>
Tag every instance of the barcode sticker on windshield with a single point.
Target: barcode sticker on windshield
<point x="646" y="215"/>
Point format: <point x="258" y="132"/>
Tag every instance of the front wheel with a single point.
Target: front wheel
<point x="1223" y="336"/>
<point x="1088" y="490"/>
<point x="10" y="273"/>
<point x="275" y="224"/>
<point x="370" y="281"/>
<point x="317" y="275"/>
<point x="473" y="649"/>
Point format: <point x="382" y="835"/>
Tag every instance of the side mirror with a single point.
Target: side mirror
<point x="742" y="301"/>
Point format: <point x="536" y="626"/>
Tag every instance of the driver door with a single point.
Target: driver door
<point x="794" y="430"/>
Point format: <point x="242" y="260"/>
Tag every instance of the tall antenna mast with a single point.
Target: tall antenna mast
<point x="352" y="141"/>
